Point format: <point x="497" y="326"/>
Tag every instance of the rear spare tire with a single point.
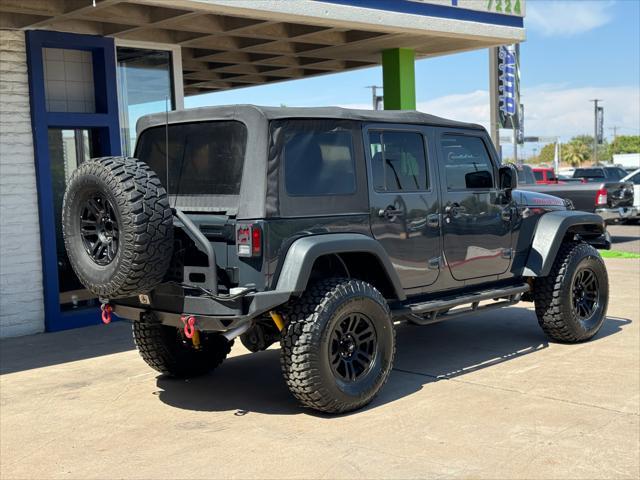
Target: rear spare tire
<point x="117" y="226"/>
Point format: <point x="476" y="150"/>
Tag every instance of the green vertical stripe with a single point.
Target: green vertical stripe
<point x="399" y="79"/>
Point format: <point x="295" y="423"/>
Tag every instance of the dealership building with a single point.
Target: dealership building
<point x="75" y="75"/>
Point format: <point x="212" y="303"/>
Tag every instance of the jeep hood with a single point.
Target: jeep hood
<point x="535" y="199"/>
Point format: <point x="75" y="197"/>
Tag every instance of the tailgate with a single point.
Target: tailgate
<point x="619" y="194"/>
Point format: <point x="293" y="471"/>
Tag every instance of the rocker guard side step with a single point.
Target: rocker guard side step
<point x="428" y="312"/>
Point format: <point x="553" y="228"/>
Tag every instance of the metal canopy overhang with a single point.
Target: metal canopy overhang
<point x="238" y="43"/>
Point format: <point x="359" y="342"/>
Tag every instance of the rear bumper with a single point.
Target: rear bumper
<point x="170" y="305"/>
<point x="612" y="215"/>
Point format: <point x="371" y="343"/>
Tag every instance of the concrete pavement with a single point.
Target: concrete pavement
<point x="486" y="396"/>
<point x="625" y="238"/>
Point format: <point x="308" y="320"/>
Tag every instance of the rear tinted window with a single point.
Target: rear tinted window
<point x="538" y="175"/>
<point x="318" y="161"/>
<point x="617" y="173"/>
<point x="204" y="158"/>
<point x="588" y="173"/>
<point x="525" y="175"/>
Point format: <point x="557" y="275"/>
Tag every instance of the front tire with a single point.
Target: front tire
<point x="165" y="349"/>
<point x="571" y="302"/>
<point x="338" y="345"/>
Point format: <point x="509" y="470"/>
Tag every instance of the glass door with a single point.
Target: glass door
<point x="68" y="148"/>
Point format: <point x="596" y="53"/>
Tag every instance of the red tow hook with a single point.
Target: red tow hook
<point x="189" y="325"/>
<point x="106" y="313"/>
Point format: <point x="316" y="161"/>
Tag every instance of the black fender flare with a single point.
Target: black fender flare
<point x="550" y="232"/>
<point x="301" y="255"/>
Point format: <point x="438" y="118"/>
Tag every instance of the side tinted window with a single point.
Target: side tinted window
<point x="467" y="163"/>
<point x="538" y="175"/>
<point x="319" y="162"/>
<point x="398" y="161"/>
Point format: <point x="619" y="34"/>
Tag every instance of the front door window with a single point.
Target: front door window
<point x="477" y="236"/>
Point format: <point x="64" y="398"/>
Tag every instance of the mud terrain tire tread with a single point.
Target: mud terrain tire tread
<point x="550" y="292"/>
<point x="161" y="348"/>
<point x="146" y="226"/>
<point x="301" y="344"/>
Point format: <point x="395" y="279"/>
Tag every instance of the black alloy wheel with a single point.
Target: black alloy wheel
<point x="585" y="296"/>
<point x="353" y="347"/>
<point x="99" y="229"/>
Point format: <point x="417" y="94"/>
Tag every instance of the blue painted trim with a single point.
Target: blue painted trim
<point x="107" y="124"/>
<point x="432" y="10"/>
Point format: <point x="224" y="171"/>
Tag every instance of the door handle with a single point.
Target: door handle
<point x="390" y="212"/>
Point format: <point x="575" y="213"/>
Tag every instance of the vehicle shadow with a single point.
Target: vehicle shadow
<point x="623" y="238"/>
<point x="46" y="349"/>
<point x="253" y="382"/>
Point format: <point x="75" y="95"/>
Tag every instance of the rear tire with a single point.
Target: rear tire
<point x="338" y="345"/>
<point x="571" y="302"/>
<point x="166" y="350"/>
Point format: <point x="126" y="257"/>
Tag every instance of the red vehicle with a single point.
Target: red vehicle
<point x="545" y="176"/>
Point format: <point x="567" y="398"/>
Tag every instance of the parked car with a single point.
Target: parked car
<point x="600" y="174"/>
<point x="634" y="177"/>
<point x="525" y="175"/>
<point x="613" y="201"/>
<point x="319" y="228"/>
<point x="545" y="175"/>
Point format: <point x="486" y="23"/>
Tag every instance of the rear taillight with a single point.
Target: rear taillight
<point x="601" y="197"/>
<point x="256" y="241"/>
<point x="249" y="240"/>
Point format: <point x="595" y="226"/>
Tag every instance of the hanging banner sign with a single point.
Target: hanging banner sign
<point x="508" y="86"/>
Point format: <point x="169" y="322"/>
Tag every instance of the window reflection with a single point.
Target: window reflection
<point x="67" y="150"/>
<point x="144" y="86"/>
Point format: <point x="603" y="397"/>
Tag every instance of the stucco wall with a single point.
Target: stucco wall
<point x="21" y="293"/>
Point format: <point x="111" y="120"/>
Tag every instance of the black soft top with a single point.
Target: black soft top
<point x="246" y="112"/>
<point x="259" y="190"/>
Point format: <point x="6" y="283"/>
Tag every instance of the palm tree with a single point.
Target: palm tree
<point x="575" y="153"/>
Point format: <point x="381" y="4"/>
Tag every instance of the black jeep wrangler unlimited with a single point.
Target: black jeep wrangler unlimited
<point x="319" y="228"/>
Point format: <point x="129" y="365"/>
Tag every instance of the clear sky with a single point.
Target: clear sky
<point x="575" y="51"/>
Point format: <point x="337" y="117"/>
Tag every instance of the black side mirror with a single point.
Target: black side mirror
<point x="508" y="177"/>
